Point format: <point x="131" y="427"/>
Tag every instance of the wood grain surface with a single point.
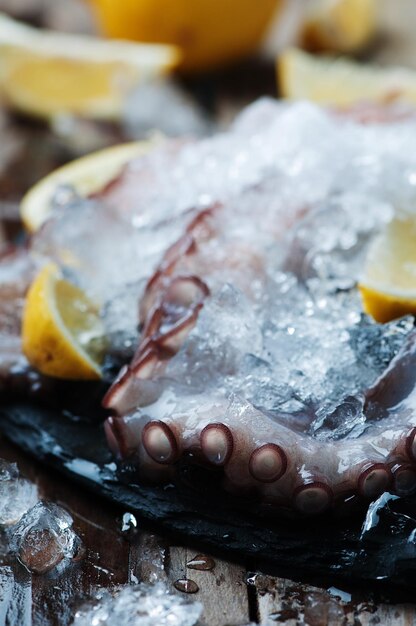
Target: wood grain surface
<point x="231" y="595"/>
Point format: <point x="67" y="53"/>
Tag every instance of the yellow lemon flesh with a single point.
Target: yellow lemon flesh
<point x="44" y="73"/>
<point x="341" y="82"/>
<point x="209" y="32"/>
<point x="62" y="335"/>
<point x="339" y="25"/>
<point x="86" y="176"/>
<point x="388" y="284"/>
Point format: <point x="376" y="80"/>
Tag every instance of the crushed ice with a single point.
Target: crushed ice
<point x="17" y="495"/>
<point x="161" y="104"/>
<point x="286" y="335"/>
<point x="138" y="605"/>
<point x="291" y="156"/>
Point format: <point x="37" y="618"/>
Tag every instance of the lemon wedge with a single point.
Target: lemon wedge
<point x="339" y="25"/>
<point x="86" y="176"/>
<point x="341" y="82"/>
<point x="388" y="284"/>
<point x="62" y="334"/>
<point x="209" y="33"/>
<point x="45" y="73"/>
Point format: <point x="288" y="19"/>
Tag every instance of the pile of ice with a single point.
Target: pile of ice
<point x="39" y="534"/>
<point x="303" y="192"/>
<point x="288" y="156"/>
<point x="309" y="361"/>
<point x="138" y="605"/>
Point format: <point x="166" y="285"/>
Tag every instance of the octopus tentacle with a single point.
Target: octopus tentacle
<point x="280" y="464"/>
<point x="178" y="255"/>
<point x="165" y="331"/>
<point x="294" y="452"/>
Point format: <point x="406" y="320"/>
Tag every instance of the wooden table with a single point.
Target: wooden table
<point x="230" y="594"/>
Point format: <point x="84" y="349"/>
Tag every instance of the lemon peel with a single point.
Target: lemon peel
<point x="339" y="25"/>
<point x="86" y="175"/>
<point x="341" y="82"/>
<point x="62" y="335"/>
<point x="388" y="283"/>
<point x="45" y="73"/>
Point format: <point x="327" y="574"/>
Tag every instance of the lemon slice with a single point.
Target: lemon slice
<point x="86" y="176"/>
<point x="338" y="25"/>
<point x="62" y="334"/>
<point x="341" y="82"/>
<point x="44" y="73"/>
<point x="388" y="284"/>
<point x="209" y="33"/>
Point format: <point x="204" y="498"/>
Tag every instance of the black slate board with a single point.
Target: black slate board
<point x="336" y="552"/>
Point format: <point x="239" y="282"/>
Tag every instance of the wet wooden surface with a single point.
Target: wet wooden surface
<point x="230" y="594"/>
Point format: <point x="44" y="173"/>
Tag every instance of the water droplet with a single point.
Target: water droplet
<point x="128" y="523"/>
<point x="228" y="537"/>
<point x="251" y="579"/>
<point x="186" y="585"/>
<point x="201" y="562"/>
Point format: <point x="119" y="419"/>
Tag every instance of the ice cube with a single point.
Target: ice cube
<point x="161" y="104"/>
<point x="99" y="249"/>
<point x="44" y="538"/>
<point x="6" y="591"/>
<point x="120" y="318"/>
<point x="17" y="495"/>
<point x="16" y="271"/>
<point x="375" y="345"/>
<point x="138" y="605"/>
<point x="328" y="246"/>
<point x="226" y="330"/>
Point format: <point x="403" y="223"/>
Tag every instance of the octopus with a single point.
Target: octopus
<point x="250" y="355"/>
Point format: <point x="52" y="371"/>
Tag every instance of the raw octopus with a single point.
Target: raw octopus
<point x="253" y="356"/>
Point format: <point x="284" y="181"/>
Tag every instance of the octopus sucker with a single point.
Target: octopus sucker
<point x="404" y="479"/>
<point x="217" y="443"/>
<point x="160" y="442"/>
<point x="313" y="497"/>
<point x="123" y="440"/>
<point x="268" y="463"/>
<point x="113" y="438"/>
<point x="373" y="480"/>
